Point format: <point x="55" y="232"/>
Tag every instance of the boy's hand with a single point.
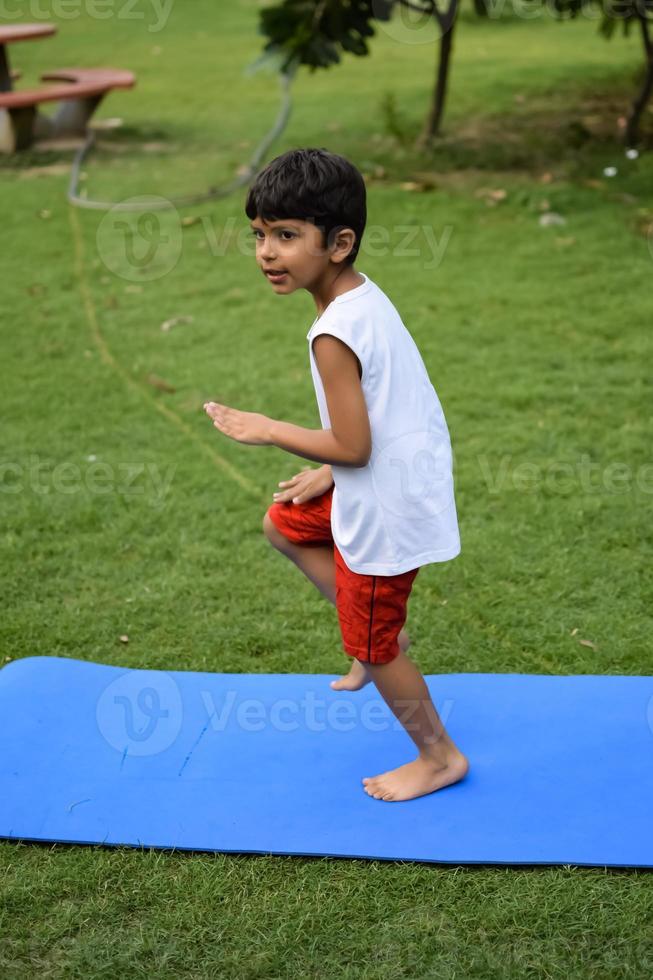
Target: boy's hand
<point x="248" y="427"/>
<point x="305" y="485"/>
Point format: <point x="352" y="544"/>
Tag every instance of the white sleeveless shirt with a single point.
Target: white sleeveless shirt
<point x="398" y="512"/>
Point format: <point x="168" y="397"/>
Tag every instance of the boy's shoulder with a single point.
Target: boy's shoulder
<point x="356" y="306"/>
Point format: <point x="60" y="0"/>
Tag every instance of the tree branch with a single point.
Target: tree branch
<point x="643" y="23"/>
<point x="632" y="125"/>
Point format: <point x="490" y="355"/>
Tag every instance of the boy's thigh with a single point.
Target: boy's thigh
<point x="306" y="524"/>
<point x="371" y="611"/>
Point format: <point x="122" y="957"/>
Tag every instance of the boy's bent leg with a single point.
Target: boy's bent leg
<point x="439" y="762"/>
<point x="318" y="565"/>
<point x="315" y="560"/>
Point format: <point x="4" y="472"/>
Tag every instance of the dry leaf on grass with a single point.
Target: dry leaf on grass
<point x="159" y="383"/>
<point x="491" y="195"/>
<point x="173" y="321"/>
<point x="551" y="218"/>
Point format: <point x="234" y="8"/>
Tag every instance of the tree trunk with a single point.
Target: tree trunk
<point x="632" y="126"/>
<point x="447" y="23"/>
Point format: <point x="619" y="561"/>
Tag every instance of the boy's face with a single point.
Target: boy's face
<point x="295" y="249"/>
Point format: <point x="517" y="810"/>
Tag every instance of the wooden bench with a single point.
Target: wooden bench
<point x="79" y="93"/>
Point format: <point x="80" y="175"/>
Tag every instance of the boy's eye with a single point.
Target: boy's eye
<point x="290" y="234"/>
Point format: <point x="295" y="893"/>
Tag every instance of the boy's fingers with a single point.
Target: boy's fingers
<point x="293" y="480"/>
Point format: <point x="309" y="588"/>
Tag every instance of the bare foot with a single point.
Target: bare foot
<point x="359" y="675"/>
<point x="416" y="778"/>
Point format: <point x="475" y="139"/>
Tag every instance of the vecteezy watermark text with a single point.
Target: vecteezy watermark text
<point x="153" y="14"/>
<point x="314" y="714"/>
<point x="144" y="245"/>
<point x="129" y="479"/>
<point x="415" y="21"/>
<point x="399" y="240"/>
<point x="565" y="477"/>
<point x="141" y="713"/>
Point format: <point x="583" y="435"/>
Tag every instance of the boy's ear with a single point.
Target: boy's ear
<point x="343" y="241"/>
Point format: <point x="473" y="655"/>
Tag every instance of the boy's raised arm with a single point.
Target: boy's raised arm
<point x="349" y="441"/>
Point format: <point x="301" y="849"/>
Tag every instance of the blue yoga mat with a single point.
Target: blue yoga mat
<point x="561" y="767"/>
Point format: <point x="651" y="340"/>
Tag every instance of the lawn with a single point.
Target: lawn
<point x="538" y="342"/>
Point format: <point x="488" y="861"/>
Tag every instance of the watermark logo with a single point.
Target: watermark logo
<point x="407" y="24"/>
<point x="413" y="472"/>
<point x="649" y="714"/>
<point x="141" y="245"/>
<point x="140" y="713"/>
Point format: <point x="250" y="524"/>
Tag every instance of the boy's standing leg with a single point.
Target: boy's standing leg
<point x="399" y="683"/>
<point x="440" y="762"/>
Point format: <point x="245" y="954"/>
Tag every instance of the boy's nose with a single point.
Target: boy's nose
<point x="267" y="251"/>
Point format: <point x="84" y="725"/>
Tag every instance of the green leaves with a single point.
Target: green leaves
<point x="314" y="32"/>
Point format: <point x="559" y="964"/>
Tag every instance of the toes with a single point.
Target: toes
<point x="376" y="789"/>
<point x="378" y="792"/>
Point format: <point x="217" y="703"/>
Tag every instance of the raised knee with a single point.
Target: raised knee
<point x="268" y="526"/>
<point x="272" y="533"/>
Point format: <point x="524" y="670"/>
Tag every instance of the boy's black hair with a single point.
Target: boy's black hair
<point x="311" y="185"/>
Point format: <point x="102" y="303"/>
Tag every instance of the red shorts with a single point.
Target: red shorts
<point x="371" y="608"/>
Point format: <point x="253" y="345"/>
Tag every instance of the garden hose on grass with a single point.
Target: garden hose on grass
<point x="212" y="193"/>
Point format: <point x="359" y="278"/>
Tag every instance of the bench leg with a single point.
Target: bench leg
<point x="42" y="126"/>
<point x="16" y="128"/>
<point x="73" y="115"/>
<point x="19" y="127"/>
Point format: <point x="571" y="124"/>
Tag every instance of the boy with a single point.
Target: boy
<point x="382" y="503"/>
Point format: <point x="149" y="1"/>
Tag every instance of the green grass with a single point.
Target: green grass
<point x="538" y="343"/>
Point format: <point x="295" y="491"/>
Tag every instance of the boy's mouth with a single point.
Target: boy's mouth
<point x="275" y="275"/>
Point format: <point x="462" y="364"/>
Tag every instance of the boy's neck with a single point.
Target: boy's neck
<point x="335" y="284"/>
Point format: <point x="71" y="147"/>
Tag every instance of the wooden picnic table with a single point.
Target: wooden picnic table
<point x="78" y="93"/>
<point x="18" y="32"/>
